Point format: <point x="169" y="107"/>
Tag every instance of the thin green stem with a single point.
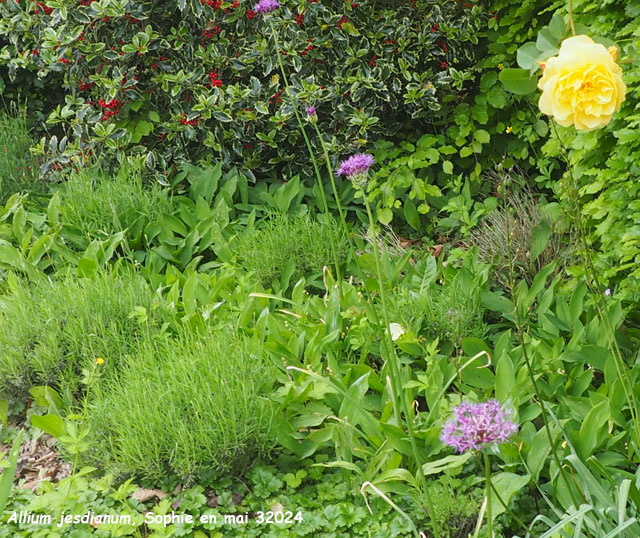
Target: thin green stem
<point x="534" y="383"/>
<point x="396" y="379"/>
<point x="487" y="477"/>
<point x="509" y="511"/>
<point x="591" y="279"/>
<point x="572" y="24"/>
<point x="323" y="196"/>
<point x="336" y="195"/>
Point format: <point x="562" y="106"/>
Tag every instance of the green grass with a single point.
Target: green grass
<point x="18" y="168"/>
<point x="450" y="312"/>
<point x="184" y="407"/>
<point x="96" y="205"/>
<point x="284" y="243"/>
<point x="49" y="332"/>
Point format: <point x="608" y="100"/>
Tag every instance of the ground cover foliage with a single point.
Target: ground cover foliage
<point x="243" y="338"/>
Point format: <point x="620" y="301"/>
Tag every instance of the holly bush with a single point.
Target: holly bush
<point x="199" y="80"/>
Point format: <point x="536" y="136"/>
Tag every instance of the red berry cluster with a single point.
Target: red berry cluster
<point x="83" y="86"/>
<point x="276" y="97"/>
<point x="132" y="19"/>
<point x="300" y="18"/>
<point x="110" y="108"/>
<point x="63" y="61"/>
<point x="443" y="46"/>
<point x="215" y="79"/>
<point x="250" y="14"/>
<point x="86" y="2"/>
<point x="185" y="121"/>
<point x="391" y="42"/>
<point x="308" y="48"/>
<point x="215" y="4"/>
<point x="341" y="22"/>
<point x="41" y="6"/>
<point x="434" y="27"/>
<point x="208" y="34"/>
<point x="124" y="79"/>
<point x="372" y="62"/>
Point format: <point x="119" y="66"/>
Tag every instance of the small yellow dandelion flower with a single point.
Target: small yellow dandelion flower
<point x="508" y="129"/>
<point x="99" y="361"/>
<point x="500" y="66"/>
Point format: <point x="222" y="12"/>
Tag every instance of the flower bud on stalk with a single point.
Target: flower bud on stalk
<point x="356" y="168"/>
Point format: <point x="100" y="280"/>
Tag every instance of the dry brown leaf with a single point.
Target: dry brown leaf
<point x="143" y="495"/>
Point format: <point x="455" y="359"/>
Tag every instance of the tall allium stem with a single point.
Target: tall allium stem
<point x="487" y="477"/>
<point x="323" y="196"/>
<point x="396" y="375"/>
<point x="534" y="383"/>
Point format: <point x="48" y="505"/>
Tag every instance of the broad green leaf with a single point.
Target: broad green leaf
<point x="587" y="438"/>
<point x="505" y="378"/>
<point x="51" y="424"/>
<point x="6" y="482"/>
<point x="507" y="485"/>
<point x="443" y="464"/>
<point x="557" y="26"/>
<point x="539" y="240"/>
<point x="482" y="136"/>
<point x="527" y="55"/>
<point x="499" y="303"/>
<point x="45" y="396"/>
<point x="518" y="81"/>
<point x="411" y="214"/>
<point x="547" y="41"/>
<point x="385" y="215"/>
<point x="538" y="452"/>
<point x="350" y="408"/>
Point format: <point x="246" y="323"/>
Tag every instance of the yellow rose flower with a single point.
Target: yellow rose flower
<point x="582" y="86"/>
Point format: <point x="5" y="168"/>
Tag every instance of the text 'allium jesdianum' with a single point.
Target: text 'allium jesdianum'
<point x="356" y="168"/>
<point x="477" y="425"/>
<point x="266" y="6"/>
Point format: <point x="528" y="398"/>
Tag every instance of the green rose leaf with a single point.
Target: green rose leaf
<point x="518" y="81"/>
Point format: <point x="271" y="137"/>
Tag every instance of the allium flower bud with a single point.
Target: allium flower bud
<point x="311" y="114"/>
<point x="266" y="6"/>
<point x="356" y="168"/>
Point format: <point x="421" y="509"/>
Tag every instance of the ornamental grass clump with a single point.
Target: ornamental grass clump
<point x="50" y="332"/>
<point x="184" y="407"/>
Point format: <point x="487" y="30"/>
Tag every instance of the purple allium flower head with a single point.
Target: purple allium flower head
<point x="356" y="167"/>
<point x="311" y="110"/>
<point x="607" y="292"/>
<point x="477" y="425"/>
<point x="266" y="6"/>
